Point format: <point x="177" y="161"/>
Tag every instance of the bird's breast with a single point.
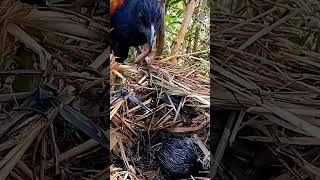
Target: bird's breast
<point x="129" y="36"/>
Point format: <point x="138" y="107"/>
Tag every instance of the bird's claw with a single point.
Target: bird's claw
<point x="143" y="64"/>
<point x="142" y="56"/>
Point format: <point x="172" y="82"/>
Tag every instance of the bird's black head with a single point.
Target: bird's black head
<point x="149" y="16"/>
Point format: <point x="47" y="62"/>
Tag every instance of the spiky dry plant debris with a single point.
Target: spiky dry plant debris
<point x="139" y="128"/>
<point x="59" y="130"/>
<point x="265" y="67"/>
<point x="53" y="93"/>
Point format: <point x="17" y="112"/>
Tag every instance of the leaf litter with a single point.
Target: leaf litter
<point x="58" y="127"/>
<point x="265" y="69"/>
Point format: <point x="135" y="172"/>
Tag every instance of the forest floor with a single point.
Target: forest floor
<point x="265" y="67"/>
<point x="56" y="74"/>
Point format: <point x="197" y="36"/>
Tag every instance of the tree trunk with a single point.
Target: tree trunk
<point x="184" y="28"/>
<point x="202" y="7"/>
<point x="162" y="32"/>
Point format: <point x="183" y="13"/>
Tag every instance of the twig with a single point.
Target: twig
<point x="222" y="145"/>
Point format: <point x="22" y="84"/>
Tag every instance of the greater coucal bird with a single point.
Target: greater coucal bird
<point x="134" y="23"/>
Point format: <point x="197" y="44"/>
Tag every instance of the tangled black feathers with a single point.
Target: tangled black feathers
<point x="177" y="157"/>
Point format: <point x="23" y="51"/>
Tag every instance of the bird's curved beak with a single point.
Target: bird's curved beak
<point x="150" y="37"/>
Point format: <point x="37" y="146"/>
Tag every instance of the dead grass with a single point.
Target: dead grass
<point x="266" y="63"/>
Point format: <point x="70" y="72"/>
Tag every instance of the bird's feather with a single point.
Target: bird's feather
<point x="114" y="5"/>
<point x="131" y="21"/>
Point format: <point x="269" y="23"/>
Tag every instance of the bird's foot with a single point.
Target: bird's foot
<point x="141" y="60"/>
<point x="143" y="64"/>
<point x="142" y="56"/>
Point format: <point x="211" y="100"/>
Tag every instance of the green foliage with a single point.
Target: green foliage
<point x="176" y="10"/>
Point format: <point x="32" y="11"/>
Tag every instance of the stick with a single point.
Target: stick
<point x="222" y="145"/>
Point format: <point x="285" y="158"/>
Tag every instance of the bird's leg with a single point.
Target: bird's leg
<point x="140" y="59"/>
<point x="141" y="55"/>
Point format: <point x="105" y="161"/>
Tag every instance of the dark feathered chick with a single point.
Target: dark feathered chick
<point x="134" y="23"/>
<point x="177" y="157"/>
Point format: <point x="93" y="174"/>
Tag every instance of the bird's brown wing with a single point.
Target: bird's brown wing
<point x="114" y="5"/>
